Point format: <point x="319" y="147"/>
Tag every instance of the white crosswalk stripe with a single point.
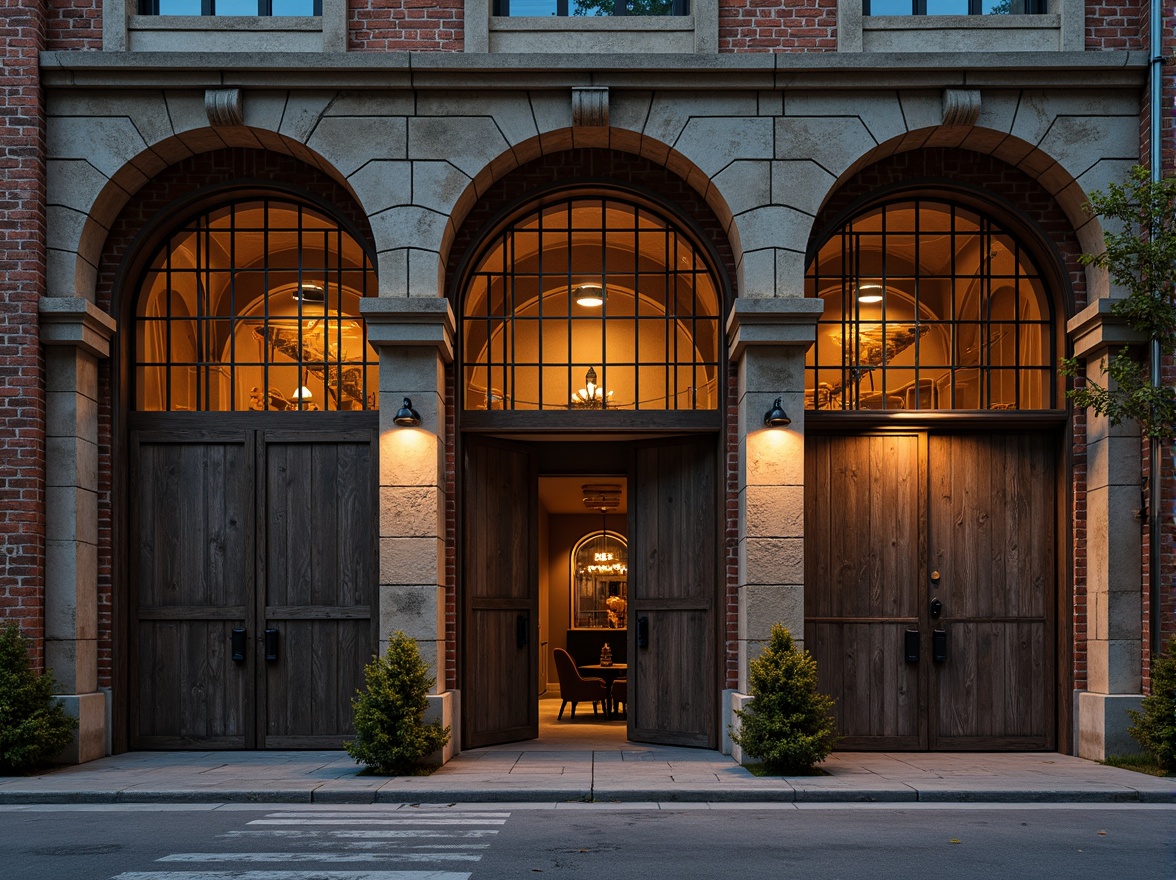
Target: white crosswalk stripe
<point x="342" y="845"/>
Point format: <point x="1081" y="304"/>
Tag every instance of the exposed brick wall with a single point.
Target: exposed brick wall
<point x="1111" y="26"/>
<point x="406" y="25"/>
<point x="22" y="283"/>
<point x="777" y="25"/>
<point x="181" y="180"/>
<point x="74" y="25"/>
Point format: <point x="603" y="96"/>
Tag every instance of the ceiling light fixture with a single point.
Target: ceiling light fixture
<point x="590" y="295"/>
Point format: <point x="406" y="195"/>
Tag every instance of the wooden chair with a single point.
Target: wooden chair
<point x="574" y="688"/>
<point x="620" y="695"/>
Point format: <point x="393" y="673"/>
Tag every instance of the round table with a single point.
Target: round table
<point x="609" y="674"/>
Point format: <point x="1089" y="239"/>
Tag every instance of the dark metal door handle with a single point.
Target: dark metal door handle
<point x="911" y="646"/>
<point x="642" y="632"/>
<point x="523" y="630"/>
<point x="936" y="609"/>
<point x="939" y="645"/>
<point x="237" y="644"/>
<point x="271" y="645"/>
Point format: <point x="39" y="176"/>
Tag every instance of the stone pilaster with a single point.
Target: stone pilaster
<point x="768" y="340"/>
<point x="76" y="335"/>
<point x="414" y="337"/>
<point x="1114" y="579"/>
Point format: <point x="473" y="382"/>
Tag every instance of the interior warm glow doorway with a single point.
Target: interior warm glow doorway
<point x="523" y="595"/>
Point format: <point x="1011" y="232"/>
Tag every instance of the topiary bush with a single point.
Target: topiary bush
<point x="33" y="726"/>
<point x="390" y="734"/>
<point x="1154" y="725"/>
<point x="789" y="724"/>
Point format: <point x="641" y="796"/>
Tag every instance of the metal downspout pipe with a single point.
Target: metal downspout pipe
<point x="1156" y="517"/>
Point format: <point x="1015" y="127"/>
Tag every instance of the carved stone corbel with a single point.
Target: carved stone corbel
<point x="224" y="107"/>
<point x="961" y="106"/>
<point x="590" y="107"/>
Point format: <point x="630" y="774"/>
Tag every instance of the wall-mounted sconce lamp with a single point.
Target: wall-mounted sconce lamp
<point x="776" y="417"/>
<point x="406" y="416"/>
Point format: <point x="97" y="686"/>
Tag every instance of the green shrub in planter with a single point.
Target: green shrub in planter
<point x="33" y="726"/>
<point x="789" y="724"/>
<point x="1154" y="726"/>
<point x="390" y="734"/>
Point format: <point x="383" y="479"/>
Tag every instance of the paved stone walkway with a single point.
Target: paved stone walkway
<point x="628" y="772"/>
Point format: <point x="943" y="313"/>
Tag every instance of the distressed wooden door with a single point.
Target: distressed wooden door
<point x="863" y="552"/>
<point x="929" y="584"/>
<point x="234" y="533"/>
<point x="192" y="575"/>
<point x="500" y="590"/>
<point x="992" y="551"/>
<point x="674" y="537"/>
<point x="317" y="503"/>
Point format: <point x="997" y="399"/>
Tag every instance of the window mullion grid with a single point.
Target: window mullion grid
<point x="267" y="347"/>
<point x="1017" y="325"/>
<point x="167" y="334"/>
<point x="232" y="308"/>
<point x="203" y="277"/>
<point x="918" y="277"/>
<point x="984" y="356"/>
<point x="882" y="367"/>
<point x="954" y="356"/>
<point x="604" y="305"/>
<point x="849" y="273"/>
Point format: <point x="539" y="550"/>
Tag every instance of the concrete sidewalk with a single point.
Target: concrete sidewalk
<point x="631" y="772"/>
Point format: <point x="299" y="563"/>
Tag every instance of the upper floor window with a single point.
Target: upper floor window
<point x="953" y="7"/>
<point x="520" y="8"/>
<point x="254" y="305"/>
<point x="591" y="303"/>
<point x="931" y="306"/>
<point x="231" y="7"/>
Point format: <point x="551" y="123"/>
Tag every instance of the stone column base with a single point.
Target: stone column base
<point x="732" y="701"/>
<point x="446" y="708"/>
<point x="1103" y="723"/>
<point x="89" y="742"/>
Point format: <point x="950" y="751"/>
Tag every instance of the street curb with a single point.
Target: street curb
<point x="483" y="796"/>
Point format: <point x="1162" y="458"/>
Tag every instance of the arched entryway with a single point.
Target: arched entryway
<point x="931" y="479"/>
<point x="592" y="355"/>
<point x="251" y="491"/>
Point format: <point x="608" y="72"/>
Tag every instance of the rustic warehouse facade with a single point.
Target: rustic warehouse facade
<point x="329" y="319"/>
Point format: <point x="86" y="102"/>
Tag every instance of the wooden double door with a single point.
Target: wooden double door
<point x="252" y="567"/>
<point x="930" y="587"/>
<point x="674" y="535"/>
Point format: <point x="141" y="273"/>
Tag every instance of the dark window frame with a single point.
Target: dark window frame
<point x="853" y="369"/>
<point x="332" y="366"/>
<point x="208" y="8"/>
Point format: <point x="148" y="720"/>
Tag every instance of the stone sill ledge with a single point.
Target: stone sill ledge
<point x="226" y="23"/>
<point x="581" y="24"/>
<point x="936" y="23"/>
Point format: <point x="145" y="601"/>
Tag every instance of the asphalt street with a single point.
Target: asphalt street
<point x="598" y="841"/>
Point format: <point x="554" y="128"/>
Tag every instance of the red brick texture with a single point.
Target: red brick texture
<point x="22" y="283"/>
<point x="777" y="25"/>
<point x="406" y="25"/>
<point x="1119" y="25"/>
<point x="74" y="25"/>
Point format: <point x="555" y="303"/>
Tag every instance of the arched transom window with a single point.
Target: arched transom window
<point x="929" y="306"/>
<point x="255" y="306"/>
<point x="591" y="303"/>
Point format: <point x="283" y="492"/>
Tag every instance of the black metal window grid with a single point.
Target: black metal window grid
<point x="590" y="8"/>
<point x="929" y="306"/>
<point x="260" y="8"/>
<point x="254" y="305"/>
<point x="530" y="344"/>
